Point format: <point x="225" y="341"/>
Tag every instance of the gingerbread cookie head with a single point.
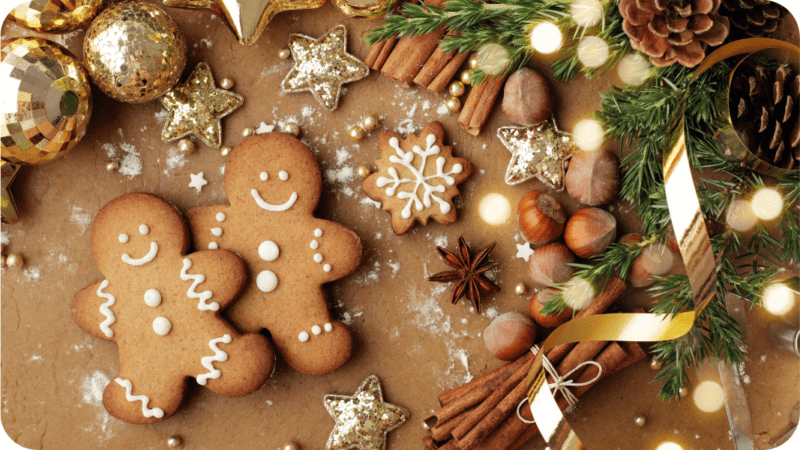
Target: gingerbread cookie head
<point x="417" y="178"/>
<point x="162" y="307"/>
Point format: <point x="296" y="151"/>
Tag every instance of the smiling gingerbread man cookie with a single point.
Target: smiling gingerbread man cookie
<point x="162" y="307"/>
<point x="273" y="183"/>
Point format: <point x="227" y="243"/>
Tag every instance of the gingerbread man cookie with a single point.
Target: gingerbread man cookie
<point x="273" y="183"/>
<point x="162" y="307"/>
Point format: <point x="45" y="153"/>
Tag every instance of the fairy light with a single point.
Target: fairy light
<point x="495" y="209"/>
<point x="578" y="293"/>
<point x="586" y="13"/>
<point x="588" y="135"/>
<point x="669" y="445"/>
<point x="592" y="51"/>
<point x="546" y="38"/>
<point x="708" y="396"/>
<point x="492" y="58"/>
<point x="778" y="299"/>
<point x="740" y="216"/>
<point x="657" y="258"/>
<point x="767" y="203"/>
<point x="633" y="69"/>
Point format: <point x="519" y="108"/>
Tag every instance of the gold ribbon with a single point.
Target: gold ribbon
<point x="695" y="249"/>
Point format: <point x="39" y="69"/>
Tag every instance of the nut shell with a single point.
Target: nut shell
<point x="550" y="264"/>
<point x="593" y="178"/>
<point x="537" y="303"/>
<point x="510" y="335"/>
<point x="540" y="217"/>
<point x="589" y="231"/>
<point x="527" y="97"/>
<point x="654" y="260"/>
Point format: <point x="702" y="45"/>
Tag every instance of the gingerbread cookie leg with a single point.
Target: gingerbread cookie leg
<point x="146" y="398"/>
<point x="235" y="365"/>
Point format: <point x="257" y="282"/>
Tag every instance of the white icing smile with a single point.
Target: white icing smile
<point x="269" y="206"/>
<point x="126" y="258"/>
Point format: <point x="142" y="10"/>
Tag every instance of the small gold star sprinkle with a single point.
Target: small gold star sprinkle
<point x="8" y="171"/>
<point x="322" y="66"/>
<point x="539" y="151"/>
<point x="363" y="419"/>
<point x="197" y="107"/>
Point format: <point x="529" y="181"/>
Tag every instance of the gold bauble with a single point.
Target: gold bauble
<point x="186" y="146"/>
<point x="112" y="166"/>
<point x="174" y="442"/>
<point x="456" y="89"/>
<point x="134" y="52"/>
<point x="46" y="100"/>
<point x="291" y="128"/>
<point x="466" y="77"/>
<point x="284" y="53"/>
<point x="225" y="151"/>
<point x="15" y="261"/>
<point x="520" y="289"/>
<point x="356" y="133"/>
<point x="248" y="131"/>
<point x="369" y="122"/>
<point x="453" y="104"/>
<point x="370" y="9"/>
<point x="640" y="420"/>
<point x="55" y="16"/>
<point x="473" y="61"/>
<point x="363" y="171"/>
<point x="226" y="83"/>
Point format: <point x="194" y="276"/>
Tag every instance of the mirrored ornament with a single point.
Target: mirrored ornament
<point x="55" y="16"/>
<point x="370" y="9"/>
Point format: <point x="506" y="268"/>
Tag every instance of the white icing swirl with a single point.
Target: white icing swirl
<point x="202" y="296"/>
<point x="147" y="412"/>
<point x="207" y="361"/>
<point x="106" y="310"/>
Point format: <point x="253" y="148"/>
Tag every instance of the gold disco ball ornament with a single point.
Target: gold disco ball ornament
<point x="55" y="16"/>
<point x="369" y="9"/>
<point x="46" y="100"/>
<point x="134" y="52"/>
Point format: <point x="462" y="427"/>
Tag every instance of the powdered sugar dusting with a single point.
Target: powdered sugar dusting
<point x="4" y="238"/>
<point x="32" y="273"/>
<point x="92" y="389"/>
<point x="175" y="160"/>
<point x="130" y="163"/>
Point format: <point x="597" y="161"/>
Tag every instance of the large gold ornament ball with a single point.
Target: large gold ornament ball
<point x="370" y="9"/>
<point x="46" y="100"/>
<point x="134" y="52"/>
<point x="55" y="16"/>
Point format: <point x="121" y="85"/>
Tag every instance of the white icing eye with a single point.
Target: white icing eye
<point x="144" y="229"/>
<point x="316" y="329"/>
<point x="266" y="281"/>
<point x="213" y="245"/>
<point x="303" y="336"/>
<point x="162" y="326"/>
<point x="268" y="251"/>
<point x="318" y="232"/>
<point x="326" y="267"/>
<point x="220" y="216"/>
<point x="123" y="238"/>
<point x="264" y="176"/>
<point x="318" y="257"/>
<point x="216" y="231"/>
<point x="152" y="298"/>
<point x="328" y="327"/>
<point x="283" y="175"/>
<point x="314" y="244"/>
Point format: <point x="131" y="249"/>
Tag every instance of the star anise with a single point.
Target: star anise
<point x="468" y="274"/>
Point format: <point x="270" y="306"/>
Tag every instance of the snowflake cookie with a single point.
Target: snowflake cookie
<point x="273" y="183"/>
<point x="162" y="307"/>
<point x="417" y="178"/>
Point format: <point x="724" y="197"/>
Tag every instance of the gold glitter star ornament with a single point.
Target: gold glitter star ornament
<point x="539" y="151"/>
<point x="363" y="419"/>
<point x="197" y="106"/>
<point x="322" y="66"/>
<point x="8" y="171"/>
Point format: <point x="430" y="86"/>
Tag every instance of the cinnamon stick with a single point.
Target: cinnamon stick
<point x="429" y="443"/>
<point x="484" y="380"/>
<point x="439" y="84"/>
<point x="479" y="104"/>
<point x="444" y="431"/>
<point x="440" y="67"/>
<point x="411" y="53"/>
<point x="380" y="51"/>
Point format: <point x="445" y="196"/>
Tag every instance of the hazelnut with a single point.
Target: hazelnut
<point x="654" y="260"/>
<point x="593" y="178"/>
<point x="527" y="97"/>
<point x="550" y="264"/>
<point x="537" y="303"/>
<point x="589" y="231"/>
<point x="540" y="217"/>
<point x="510" y="335"/>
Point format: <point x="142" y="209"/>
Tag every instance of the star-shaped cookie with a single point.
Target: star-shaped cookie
<point x="197" y="106"/>
<point x="9" y="171"/>
<point x="363" y="419"/>
<point x="322" y="66"/>
<point x="539" y="151"/>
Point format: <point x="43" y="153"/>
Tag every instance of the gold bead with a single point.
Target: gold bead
<point x="226" y="83"/>
<point x="14" y="261"/>
<point x="112" y="166"/>
<point x="284" y="53"/>
<point x="291" y="128"/>
<point x="290" y="446"/>
<point x="683" y="391"/>
<point x="369" y="122"/>
<point x="248" y="131"/>
<point x="521" y="289"/>
<point x="466" y="77"/>
<point x="174" y="442"/>
<point x="453" y="104"/>
<point x="456" y="89"/>
<point x="655" y="364"/>
<point x="363" y="171"/>
<point x="225" y="151"/>
<point x="473" y="61"/>
<point x="356" y="133"/>
<point x="185" y="146"/>
<point x="640" y="420"/>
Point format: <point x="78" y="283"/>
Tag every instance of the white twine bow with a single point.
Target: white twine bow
<point x="559" y="383"/>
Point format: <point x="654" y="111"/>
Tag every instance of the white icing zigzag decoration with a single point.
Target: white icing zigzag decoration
<point x="147" y="412"/>
<point x="106" y="310"/>
<point x="197" y="279"/>
<point x="405" y="159"/>
<point x="207" y="361"/>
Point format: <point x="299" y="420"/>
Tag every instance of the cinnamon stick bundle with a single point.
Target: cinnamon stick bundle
<point x="411" y="53"/>
<point x="479" y="104"/>
<point x="380" y="51"/>
<point x="440" y="68"/>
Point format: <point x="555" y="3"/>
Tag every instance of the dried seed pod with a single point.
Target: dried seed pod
<point x="540" y="217"/>
<point x="537" y="303"/>
<point x="510" y="335"/>
<point x="589" y="231"/>
<point x="550" y="264"/>
<point x="593" y="178"/>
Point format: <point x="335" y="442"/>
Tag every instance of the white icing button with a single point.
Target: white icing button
<point x="162" y="326"/>
<point x="213" y="245"/>
<point x="220" y="216"/>
<point x="303" y="336"/>
<point x="318" y="257"/>
<point x="264" y="176"/>
<point x="316" y="329"/>
<point x="266" y="281"/>
<point x="216" y="231"/>
<point x="152" y="297"/>
<point x="318" y="232"/>
<point x="326" y="267"/>
<point x="328" y="327"/>
<point x="314" y="244"/>
<point x="123" y="238"/>
<point x="283" y="175"/>
<point x="144" y="229"/>
<point x="268" y="251"/>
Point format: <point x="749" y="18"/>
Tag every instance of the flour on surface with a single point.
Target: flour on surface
<point x="441" y="241"/>
<point x="92" y="389"/>
<point x="4" y="238"/>
<point x="369" y="201"/>
<point x="395" y="266"/>
<point x="32" y="273"/>
<point x="130" y="163"/>
<point x="175" y="160"/>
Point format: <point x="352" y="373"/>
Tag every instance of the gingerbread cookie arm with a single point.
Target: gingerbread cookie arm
<point x="93" y="310"/>
<point x="213" y="278"/>
<point x="335" y="249"/>
<point x="208" y="226"/>
<point x="234" y="365"/>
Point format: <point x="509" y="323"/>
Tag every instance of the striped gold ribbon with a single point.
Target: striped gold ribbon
<point x="695" y="248"/>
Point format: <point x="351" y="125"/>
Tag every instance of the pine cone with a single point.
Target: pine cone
<point x="752" y="18"/>
<point x="670" y="31"/>
<point x="764" y="106"/>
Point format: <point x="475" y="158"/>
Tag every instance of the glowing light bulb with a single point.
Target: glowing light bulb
<point x="778" y="299"/>
<point x="669" y="446"/>
<point x="578" y="293"/>
<point x="708" y="396"/>
<point x="495" y="209"/>
<point x="492" y="58"/>
<point x="546" y="38"/>
<point x="767" y="204"/>
<point x="588" y="135"/>
<point x="740" y="216"/>
<point x="592" y="51"/>
<point x="633" y="69"/>
<point x="586" y="13"/>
